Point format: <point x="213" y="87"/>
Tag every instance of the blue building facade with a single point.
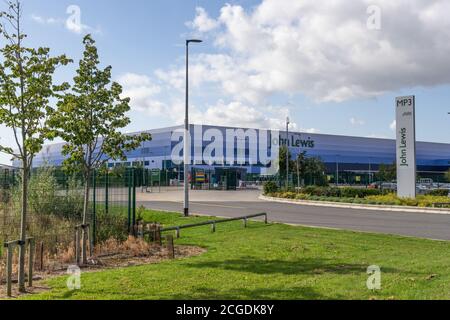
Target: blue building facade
<point x="346" y="153"/>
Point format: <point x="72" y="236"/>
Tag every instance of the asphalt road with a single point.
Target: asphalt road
<point x="422" y="225"/>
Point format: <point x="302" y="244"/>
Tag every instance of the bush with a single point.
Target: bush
<point x="359" y="193"/>
<point x="289" y="195"/>
<point x="302" y="196"/>
<point x="322" y="191"/>
<point x="347" y="192"/>
<point x="111" y="226"/>
<point x="48" y="198"/>
<point x="439" y="193"/>
<point x="388" y="199"/>
<point x="428" y="201"/>
<point x="270" y="187"/>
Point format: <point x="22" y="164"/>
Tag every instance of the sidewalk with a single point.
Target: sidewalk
<point x="177" y="195"/>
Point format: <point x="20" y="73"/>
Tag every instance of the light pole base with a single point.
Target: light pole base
<point x="186" y="212"/>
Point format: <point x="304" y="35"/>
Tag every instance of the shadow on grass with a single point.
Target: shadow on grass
<point x="286" y="267"/>
<point x="205" y="293"/>
<point x="208" y="293"/>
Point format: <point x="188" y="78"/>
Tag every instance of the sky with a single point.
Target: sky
<point x="332" y="66"/>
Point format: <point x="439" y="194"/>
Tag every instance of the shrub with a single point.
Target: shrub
<point x="322" y="191"/>
<point x="42" y="192"/>
<point x="439" y="193"/>
<point x="409" y="202"/>
<point x="428" y="201"/>
<point x="289" y="195"/>
<point x="347" y="192"/>
<point x="70" y="204"/>
<point x="387" y="199"/>
<point x="302" y="196"/>
<point x="359" y="193"/>
<point x="270" y="187"/>
<point x="111" y="226"/>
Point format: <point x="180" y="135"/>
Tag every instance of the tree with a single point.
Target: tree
<point x="447" y="175"/>
<point x="299" y="166"/>
<point x="387" y="172"/>
<point x="89" y="118"/>
<point x="282" y="159"/>
<point x="26" y="87"/>
<point x="316" y="169"/>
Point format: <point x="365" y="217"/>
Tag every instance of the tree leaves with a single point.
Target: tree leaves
<point x="26" y="88"/>
<point x="91" y="114"/>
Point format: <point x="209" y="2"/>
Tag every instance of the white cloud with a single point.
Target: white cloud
<point x="324" y="49"/>
<point x="357" y="122"/>
<point x="144" y="95"/>
<point x="202" y="21"/>
<point x="141" y="90"/>
<point x="237" y="114"/>
<point x="393" y="125"/>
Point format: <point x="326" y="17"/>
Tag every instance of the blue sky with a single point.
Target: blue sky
<point x="263" y="60"/>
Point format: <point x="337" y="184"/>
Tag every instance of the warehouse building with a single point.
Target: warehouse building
<point x="354" y="159"/>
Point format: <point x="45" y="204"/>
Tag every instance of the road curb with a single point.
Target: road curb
<point x="357" y="206"/>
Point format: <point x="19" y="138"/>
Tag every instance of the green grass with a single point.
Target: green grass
<point x="275" y="262"/>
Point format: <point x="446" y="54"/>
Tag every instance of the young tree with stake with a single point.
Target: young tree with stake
<point x="26" y="87"/>
<point x="89" y="119"/>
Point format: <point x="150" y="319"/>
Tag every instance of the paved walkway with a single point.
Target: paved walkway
<point x="232" y="204"/>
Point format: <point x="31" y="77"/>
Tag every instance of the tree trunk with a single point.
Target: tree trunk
<point x="23" y="226"/>
<point x="85" y="212"/>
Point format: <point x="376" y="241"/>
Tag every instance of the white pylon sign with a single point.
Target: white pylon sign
<point x="406" y="146"/>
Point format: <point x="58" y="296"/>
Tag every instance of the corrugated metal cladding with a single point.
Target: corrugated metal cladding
<point x="352" y="153"/>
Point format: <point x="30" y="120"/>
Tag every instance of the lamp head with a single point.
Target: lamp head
<point x="193" y="40"/>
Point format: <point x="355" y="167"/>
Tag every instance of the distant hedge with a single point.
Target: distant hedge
<point x="438" y="193"/>
<point x="346" y="192"/>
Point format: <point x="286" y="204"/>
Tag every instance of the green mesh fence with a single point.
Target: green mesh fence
<point x="55" y="205"/>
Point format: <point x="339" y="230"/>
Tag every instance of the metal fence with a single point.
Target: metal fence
<point x="55" y="205"/>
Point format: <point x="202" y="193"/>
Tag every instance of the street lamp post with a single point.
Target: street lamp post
<point x="337" y="171"/>
<point x="287" y="152"/>
<point x="187" y="150"/>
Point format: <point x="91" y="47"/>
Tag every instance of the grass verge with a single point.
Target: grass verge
<point x="274" y="262"/>
<point x="422" y="201"/>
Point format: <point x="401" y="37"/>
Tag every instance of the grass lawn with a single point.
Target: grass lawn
<point x="275" y="262"/>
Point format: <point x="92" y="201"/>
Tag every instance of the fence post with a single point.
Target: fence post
<point x="134" y="198"/>
<point x="41" y="256"/>
<point x="94" y="212"/>
<point x="107" y="192"/>
<point x="170" y="246"/>
<point x="90" y="241"/>
<point x="10" y="250"/>
<point x="129" y="198"/>
<point x="77" y="246"/>
<point x="140" y="230"/>
<point x="30" y="261"/>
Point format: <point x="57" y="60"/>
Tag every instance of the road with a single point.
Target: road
<point x="422" y="225"/>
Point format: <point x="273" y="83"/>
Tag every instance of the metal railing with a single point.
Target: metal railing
<point x="213" y="223"/>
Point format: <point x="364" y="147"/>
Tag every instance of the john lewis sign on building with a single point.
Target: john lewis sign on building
<point x="406" y="147"/>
